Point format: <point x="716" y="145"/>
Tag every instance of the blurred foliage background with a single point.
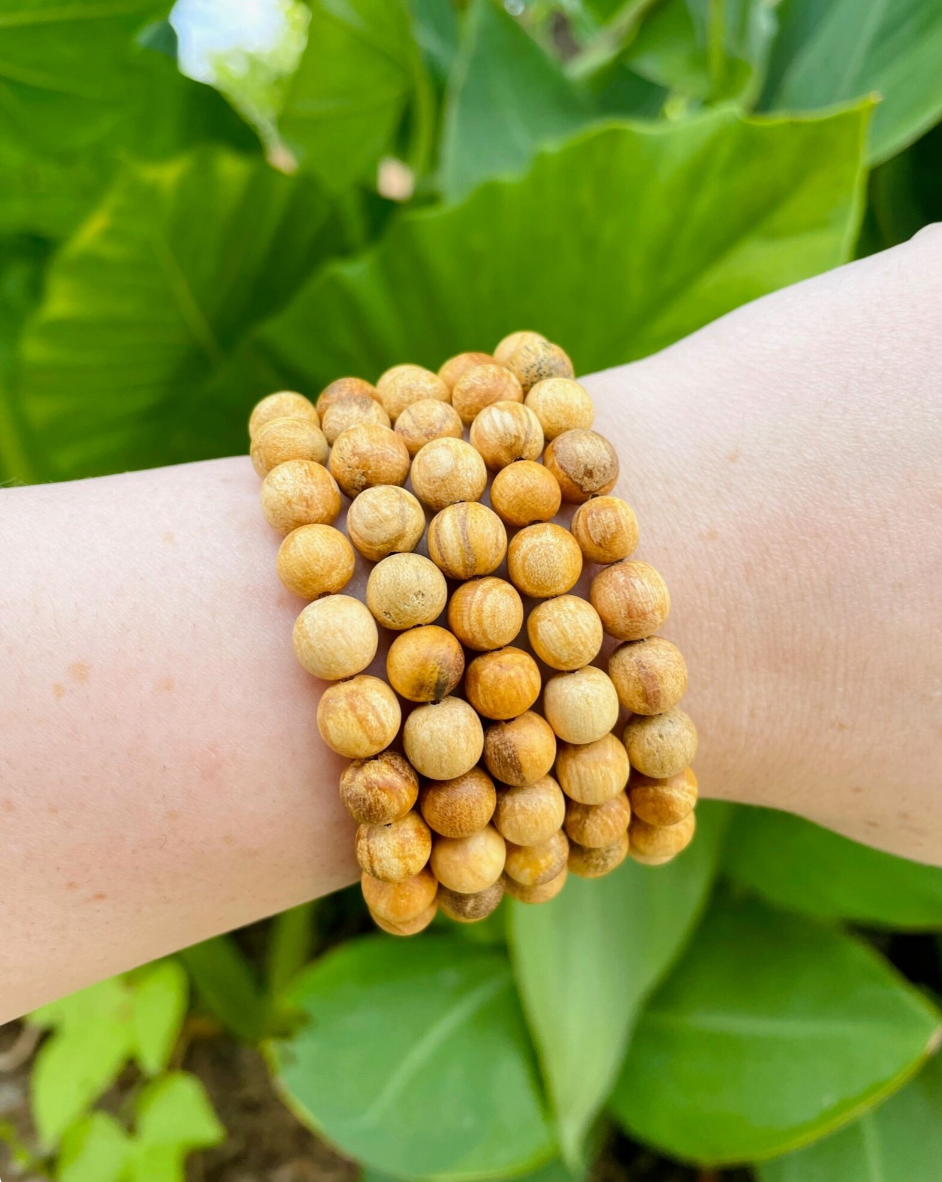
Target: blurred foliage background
<point x="335" y="187"/>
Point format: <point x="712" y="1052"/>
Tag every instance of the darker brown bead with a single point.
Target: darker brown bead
<point x="459" y="807"/>
<point x="470" y="908"/>
<point x="584" y="463"/>
<point x="425" y="664"/>
<point x="378" y="790"/>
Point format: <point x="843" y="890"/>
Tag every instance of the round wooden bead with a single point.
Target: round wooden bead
<point x="584" y="463"/>
<point x="471" y="908"/>
<point x="368" y="455"/>
<point x="527" y="816"/>
<point x="535" y="361"/>
<point x="661" y="745"/>
<point x="509" y="344"/>
<point x="315" y="560"/>
<point x="287" y="439"/>
<point x="503" y="684"/>
<point x="657" y="844"/>
<point x="385" y="519"/>
<point x="535" y="894"/>
<point x="485" y="614"/>
<point x="342" y="388"/>
<point x="456" y="367"/>
<point x="402" y="385"/>
<point x="631" y="598"/>
<point x="380" y="789"/>
<point x="460" y="806"/>
<point x="443" y="739"/>
<point x="595" y="862"/>
<point x="299" y="492"/>
<point x="561" y="405"/>
<point x="350" y="412"/>
<point x="426" y="420"/>
<point x="396" y="851"/>
<point x="664" y="802"/>
<point x="407" y="927"/>
<point x="597" y="825"/>
<point x="544" y="560"/>
<point x="582" y="706"/>
<point x="283" y="405"/>
<point x="521" y="751"/>
<point x="398" y="902"/>
<point x="424" y="664"/>
<point x="481" y="387"/>
<point x="606" y="529"/>
<point x="446" y="471"/>
<point x="524" y="493"/>
<point x="405" y="590"/>
<point x="467" y="540"/>
<point x="506" y="431"/>
<point x="532" y="865"/>
<point x="469" y="864"/>
<point x="359" y="717"/>
<point x="335" y="637"/>
<point x="565" y="632"/>
<point x="592" y="773"/>
<point x="649" y="675"/>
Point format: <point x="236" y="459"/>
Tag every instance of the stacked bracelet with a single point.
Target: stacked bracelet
<point x="436" y="829"/>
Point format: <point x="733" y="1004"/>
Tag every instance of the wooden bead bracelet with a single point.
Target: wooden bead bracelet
<point x="437" y="830"/>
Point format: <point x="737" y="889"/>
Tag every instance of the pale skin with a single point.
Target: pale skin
<point x="161" y="774"/>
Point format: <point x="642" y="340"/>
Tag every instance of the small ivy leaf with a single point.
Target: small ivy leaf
<point x="159" y="1001"/>
<point x="94" y="1149"/>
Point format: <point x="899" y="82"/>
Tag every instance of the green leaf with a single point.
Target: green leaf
<point x="900" y="1141"/>
<point x="585" y="962"/>
<point x="771" y="1031"/>
<point x="776" y="202"/>
<point x="435" y="27"/>
<point x="290" y="943"/>
<point x="95" y="1149"/>
<point x="506" y="99"/>
<point x="831" y="53"/>
<point x="798" y="865"/>
<point x="159" y="1000"/>
<point x="416" y="1061"/>
<point x="174" y="1117"/>
<point x="22" y="263"/>
<point x="227" y="987"/>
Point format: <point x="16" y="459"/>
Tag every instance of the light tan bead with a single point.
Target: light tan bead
<point x="446" y="471"/>
<point x="469" y="864"/>
<point x="544" y="561"/>
<point x="664" y="802"/>
<point x="595" y="862"/>
<point x="299" y="492"/>
<point x="358" y="718"/>
<point x="407" y="927"/>
<point x="505" y="432"/>
<point x="380" y="789"/>
<point x="649" y="675"/>
<point x="606" y="528"/>
<point x="350" y="412"/>
<point x="342" y="388"/>
<point x="584" y="463"/>
<point x="461" y="806"/>
<point x="535" y="894"/>
<point x="482" y="387"/>
<point x="287" y="439"/>
<point x="398" y="902"/>
<point x="283" y="405"/>
<point x="524" y="493"/>
<point x="508" y="345"/>
<point x="535" y="361"/>
<point x="467" y="540"/>
<point x="561" y="405"/>
<point x="315" y="560"/>
<point x="443" y="739"/>
<point x="597" y="825"/>
<point x="335" y="637"/>
<point x="402" y="385"/>
<point x="593" y="772"/>
<point x="485" y="614"/>
<point x="661" y="745"/>
<point x="527" y="816"/>
<point x="424" y="664"/>
<point x="657" y="844"/>
<point x="533" y="865"/>
<point x="405" y="590"/>
<point x="385" y="519"/>
<point x="471" y="908"/>
<point x="565" y="632"/>
<point x="631" y="598"/>
<point x="456" y="367"/>
<point x="396" y="851"/>
<point x="582" y="706"/>
<point x="426" y="420"/>
<point x="367" y="455"/>
<point x="503" y="684"/>
<point x="521" y="751"/>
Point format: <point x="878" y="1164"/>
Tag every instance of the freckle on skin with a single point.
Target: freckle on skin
<point x="228" y="839"/>
<point x="712" y="534"/>
<point x="71" y="886"/>
<point x="169" y="539"/>
<point x="9" y="807"/>
<point x="733" y="456"/>
<point x="53" y="810"/>
<point x="165" y="685"/>
<point x="98" y="896"/>
<point x="80" y="671"/>
<point x="58" y="690"/>
<point x="171" y="815"/>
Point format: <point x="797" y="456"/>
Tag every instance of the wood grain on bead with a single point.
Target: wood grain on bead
<point x="359" y="717"/>
<point x="335" y="637"/>
<point x="533" y="865"/>
<point x="426" y="420"/>
<point x="631" y="598"/>
<point x="368" y="455"/>
<point x="561" y="405"/>
<point x="399" y="901"/>
<point x="396" y="851"/>
<point x="481" y="387"/>
<point x="584" y="463"/>
<point x="447" y="471"/>
<point x="661" y="745"/>
<point x="565" y="632"/>
<point x="485" y="614"/>
<point x="656" y="844"/>
<point x="535" y="361"/>
<point x="542" y="893"/>
<point x="403" y="385"/>
<point x="581" y="707"/>
<point x="463" y="908"/>
<point x="521" y="751"/>
<point x="315" y="560"/>
<point x="467" y="540"/>
<point x="425" y="664"/>
<point x="503" y="684"/>
<point x="592" y="773"/>
<point x="469" y="864"/>
<point x="544" y="560"/>
<point x="597" y="825"/>
<point x="443" y="739"/>
<point x="664" y="802"/>
<point x="525" y="493"/>
<point x="405" y="590"/>
<point x="342" y="388"/>
<point x="460" y="806"/>
<point x="287" y="439"/>
<point x="649" y="675"/>
<point x="606" y="529"/>
<point x="529" y="815"/>
<point x="350" y="412"/>
<point x="299" y="492"/>
<point x="506" y="431"/>
<point x="380" y="789"/>
<point x="456" y="367"/>
<point x="407" y="927"/>
<point x="383" y="520"/>
<point x="597" y="861"/>
<point x="285" y="404"/>
<point x="508" y="345"/>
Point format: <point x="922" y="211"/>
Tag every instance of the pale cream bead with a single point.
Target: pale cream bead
<point x="383" y="520"/>
<point x="485" y="614"/>
<point x="284" y="404"/>
<point x="466" y="540"/>
<point x="561" y="405"/>
<point x="426" y="420"/>
<point x="456" y="367"/>
<point x="443" y="739"/>
<point x="351" y="412"/>
<point x="544" y="560"/>
<point x="661" y="745"/>
<point x="565" y="632"/>
<point x="525" y="493"/>
<point x="359" y="717"/>
<point x="531" y="814"/>
<point x="606" y="529"/>
<point x="394" y="852"/>
<point x="593" y="772"/>
<point x="508" y="345"/>
<point x="582" y="706"/>
<point x="482" y="386"/>
<point x="315" y="560"/>
<point x="406" y="927"/>
<point x="398" y="902"/>
<point x="335" y="637"/>
<point x="287" y="439"/>
<point x="533" y="865"/>
<point x="299" y="492"/>
<point x="468" y="864"/>
<point x="654" y="845"/>
<point x="597" y="825"/>
<point x="402" y="385"/>
<point x="405" y="590"/>
<point x="367" y="455"/>
<point x="447" y="471"/>
<point x="342" y="388"/>
<point x="506" y="431"/>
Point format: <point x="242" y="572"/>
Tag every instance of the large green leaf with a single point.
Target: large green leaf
<point x="95" y="1149"/>
<point x="616" y="244"/>
<point x="415" y="1059"/>
<point x="585" y="962"/>
<point x="900" y="1141"/>
<point x="796" y="864"/>
<point x="771" y="1031"/>
<point x="829" y="53"/>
